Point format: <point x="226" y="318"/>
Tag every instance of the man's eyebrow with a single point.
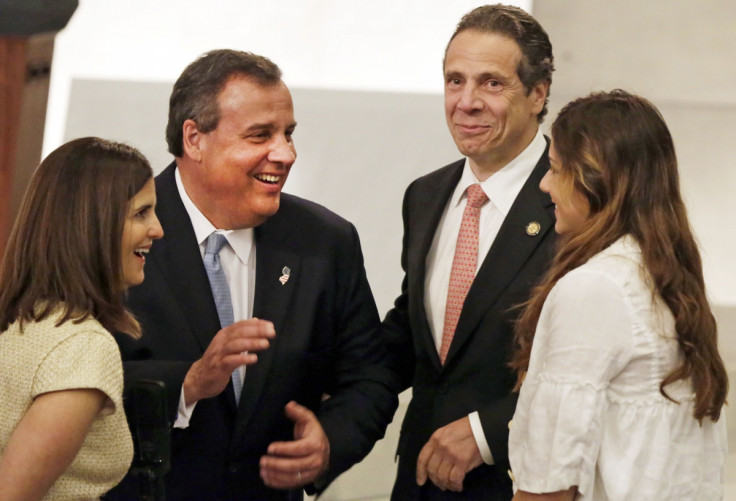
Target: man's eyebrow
<point x="486" y="75"/>
<point x="268" y="126"/>
<point x="261" y="126"/>
<point x="490" y="75"/>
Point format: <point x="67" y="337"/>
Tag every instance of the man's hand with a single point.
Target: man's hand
<point x="450" y="453"/>
<point x="289" y="465"/>
<point x="231" y="347"/>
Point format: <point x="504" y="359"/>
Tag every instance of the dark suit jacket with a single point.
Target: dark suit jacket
<point x="475" y="376"/>
<point x="327" y="342"/>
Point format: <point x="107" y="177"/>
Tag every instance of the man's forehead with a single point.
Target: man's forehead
<point x="480" y="41"/>
<point x="253" y="83"/>
<point x="247" y="91"/>
<point x="479" y="46"/>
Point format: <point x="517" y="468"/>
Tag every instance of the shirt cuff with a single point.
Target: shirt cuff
<point x="184" y="412"/>
<point x="480" y="438"/>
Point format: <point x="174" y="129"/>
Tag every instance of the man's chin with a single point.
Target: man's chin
<point x="470" y="148"/>
<point x="260" y="215"/>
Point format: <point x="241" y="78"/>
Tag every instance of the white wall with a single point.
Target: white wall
<point x="381" y="45"/>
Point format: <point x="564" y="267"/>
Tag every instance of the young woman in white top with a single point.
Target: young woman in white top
<point x="621" y="382"/>
<point x="79" y="242"/>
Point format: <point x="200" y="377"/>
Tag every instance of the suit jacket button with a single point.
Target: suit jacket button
<point x="444" y="386"/>
<point x="233" y="468"/>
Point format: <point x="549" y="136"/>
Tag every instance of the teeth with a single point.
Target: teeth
<point x="141" y="251"/>
<point x="269" y="178"/>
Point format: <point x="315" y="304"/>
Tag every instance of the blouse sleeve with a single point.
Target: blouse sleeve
<point x="583" y="340"/>
<point x="87" y="359"/>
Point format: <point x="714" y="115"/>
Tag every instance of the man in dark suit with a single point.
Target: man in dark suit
<point x="317" y="392"/>
<point x="451" y="331"/>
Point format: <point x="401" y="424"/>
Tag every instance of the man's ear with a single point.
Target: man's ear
<point x="191" y="139"/>
<point x="538" y="96"/>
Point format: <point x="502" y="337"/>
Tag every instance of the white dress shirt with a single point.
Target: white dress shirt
<point x="501" y="188"/>
<point x="238" y="260"/>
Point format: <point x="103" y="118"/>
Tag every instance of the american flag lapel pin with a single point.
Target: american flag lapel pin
<point x="285" y="273"/>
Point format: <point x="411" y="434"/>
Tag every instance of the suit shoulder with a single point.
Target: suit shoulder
<point x="440" y="175"/>
<point x="308" y="212"/>
<point x="307" y="222"/>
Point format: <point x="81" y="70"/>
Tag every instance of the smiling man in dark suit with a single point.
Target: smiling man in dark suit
<point x="317" y="392"/>
<point x="478" y="234"/>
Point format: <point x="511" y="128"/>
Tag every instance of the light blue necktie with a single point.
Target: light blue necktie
<point x="221" y="292"/>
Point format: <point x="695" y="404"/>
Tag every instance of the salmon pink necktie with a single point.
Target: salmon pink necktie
<point x="463" y="265"/>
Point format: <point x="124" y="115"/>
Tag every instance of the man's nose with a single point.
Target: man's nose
<point x="469" y="100"/>
<point x="283" y="152"/>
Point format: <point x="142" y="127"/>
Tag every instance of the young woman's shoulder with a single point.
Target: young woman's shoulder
<point x="619" y="266"/>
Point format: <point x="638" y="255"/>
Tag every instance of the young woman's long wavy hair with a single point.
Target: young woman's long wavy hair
<point x="616" y="150"/>
<point x="65" y="248"/>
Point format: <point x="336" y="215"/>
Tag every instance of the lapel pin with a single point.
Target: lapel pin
<point x="285" y="273"/>
<point x="532" y="229"/>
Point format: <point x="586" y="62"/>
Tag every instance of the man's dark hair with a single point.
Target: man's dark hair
<point x="196" y="90"/>
<point x="537" y="61"/>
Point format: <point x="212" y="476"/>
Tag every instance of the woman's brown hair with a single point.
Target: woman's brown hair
<point x="617" y="151"/>
<point x="65" y="247"/>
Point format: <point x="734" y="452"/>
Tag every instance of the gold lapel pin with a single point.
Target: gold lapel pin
<point x="532" y="229"/>
<point x="285" y="273"/>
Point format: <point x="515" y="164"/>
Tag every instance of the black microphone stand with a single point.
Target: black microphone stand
<point x="145" y="406"/>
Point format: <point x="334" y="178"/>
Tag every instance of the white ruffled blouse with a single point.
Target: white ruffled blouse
<point x="590" y="412"/>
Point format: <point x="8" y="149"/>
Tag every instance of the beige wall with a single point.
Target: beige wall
<point x="679" y="54"/>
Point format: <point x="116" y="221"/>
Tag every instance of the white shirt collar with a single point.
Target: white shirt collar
<point x="503" y="186"/>
<point x="241" y="240"/>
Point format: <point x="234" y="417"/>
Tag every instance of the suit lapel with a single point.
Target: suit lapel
<point x="511" y="249"/>
<point x="177" y="251"/>
<point x="428" y="209"/>
<point x="271" y="302"/>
